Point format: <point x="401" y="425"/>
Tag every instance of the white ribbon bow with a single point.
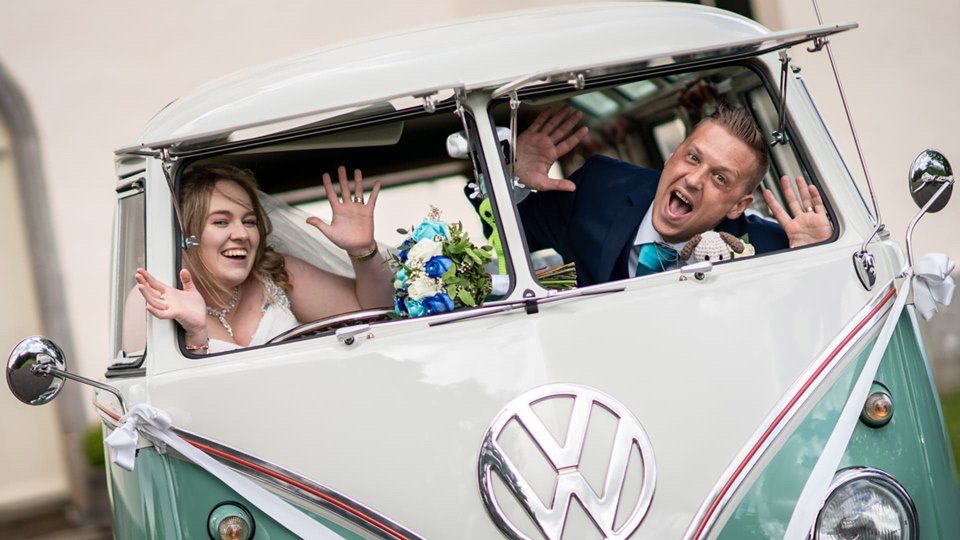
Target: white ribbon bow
<point x="123" y="440"/>
<point x="157" y="425"/>
<point x="932" y="283"/>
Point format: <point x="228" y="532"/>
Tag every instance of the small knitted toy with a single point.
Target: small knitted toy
<point x="713" y="246"/>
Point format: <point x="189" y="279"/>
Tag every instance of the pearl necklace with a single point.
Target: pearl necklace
<point x="221" y="314"/>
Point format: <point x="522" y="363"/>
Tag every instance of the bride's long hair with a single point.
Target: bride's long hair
<point x="197" y="186"/>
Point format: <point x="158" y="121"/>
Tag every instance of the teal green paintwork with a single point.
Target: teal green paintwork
<point x="167" y="498"/>
<point x="913" y="447"/>
<point x="765" y="510"/>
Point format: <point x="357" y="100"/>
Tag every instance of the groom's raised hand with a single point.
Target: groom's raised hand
<point x="543" y="143"/>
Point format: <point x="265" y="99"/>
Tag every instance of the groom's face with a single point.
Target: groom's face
<point x="704" y="181"/>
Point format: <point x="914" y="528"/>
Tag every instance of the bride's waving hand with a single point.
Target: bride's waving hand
<point x="351" y="227"/>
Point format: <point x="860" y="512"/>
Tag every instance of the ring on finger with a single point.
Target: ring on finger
<point x="357" y="199"/>
<point x="808" y="209"/>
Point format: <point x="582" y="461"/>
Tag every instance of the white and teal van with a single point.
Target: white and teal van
<point x="786" y="394"/>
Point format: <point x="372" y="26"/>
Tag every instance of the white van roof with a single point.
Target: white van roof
<point x="483" y="52"/>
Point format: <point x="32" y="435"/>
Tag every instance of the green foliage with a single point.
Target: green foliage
<point x="951" y="415"/>
<point x="467" y="278"/>
<point x="93" y="445"/>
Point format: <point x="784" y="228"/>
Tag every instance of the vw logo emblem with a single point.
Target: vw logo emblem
<point x="601" y="505"/>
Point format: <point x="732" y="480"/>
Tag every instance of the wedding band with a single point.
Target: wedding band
<point x="808" y="209"/>
<point x="357" y="199"/>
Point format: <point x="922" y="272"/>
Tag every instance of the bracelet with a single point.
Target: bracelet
<point x="195" y="348"/>
<point x="365" y="256"/>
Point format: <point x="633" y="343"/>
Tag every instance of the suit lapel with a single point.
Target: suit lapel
<point x="623" y="229"/>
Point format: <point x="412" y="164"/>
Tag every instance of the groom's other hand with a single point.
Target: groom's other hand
<point x="809" y="223"/>
<point x="547" y="139"/>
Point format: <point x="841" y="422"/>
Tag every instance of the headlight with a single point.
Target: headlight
<point x="866" y="504"/>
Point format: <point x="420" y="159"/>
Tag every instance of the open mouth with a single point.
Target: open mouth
<point x="235" y="254"/>
<point x="679" y="205"/>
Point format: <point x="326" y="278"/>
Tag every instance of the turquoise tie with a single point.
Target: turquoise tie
<point x="655" y="258"/>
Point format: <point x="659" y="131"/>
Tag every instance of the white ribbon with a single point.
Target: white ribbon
<point x="932" y="283"/>
<point x="157" y="425"/>
<point x="818" y="483"/>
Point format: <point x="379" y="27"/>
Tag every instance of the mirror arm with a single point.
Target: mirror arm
<point x="48" y="369"/>
<point x="916" y="219"/>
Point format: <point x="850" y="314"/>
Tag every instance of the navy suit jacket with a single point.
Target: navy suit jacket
<point x="595" y="226"/>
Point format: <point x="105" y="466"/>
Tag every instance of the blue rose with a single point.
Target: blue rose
<point x="402" y="255"/>
<point x="438" y="303"/>
<point x="402" y="274"/>
<point x="430" y="229"/>
<point x="398" y="304"/>
<point x="437" y="265"/>
<point x="414" y="307"/>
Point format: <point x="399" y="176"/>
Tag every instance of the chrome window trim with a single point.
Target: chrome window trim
<point x="134" y="188"/>
<point x="845" y="476"/>
<point x="741" y="467"/>
<point x="400" y="532"/>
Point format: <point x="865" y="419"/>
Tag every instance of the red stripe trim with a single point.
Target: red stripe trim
<point x="793" y="401"/>
<point x="240" y="461"/>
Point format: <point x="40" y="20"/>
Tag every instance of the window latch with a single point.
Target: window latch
<point x="699" y="270"/>
<point x="349" y="334"/>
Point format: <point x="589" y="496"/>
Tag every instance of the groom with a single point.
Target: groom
<point x="612" y="217"/>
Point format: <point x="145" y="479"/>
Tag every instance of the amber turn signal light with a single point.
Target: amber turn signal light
<point x="877" y="410"/>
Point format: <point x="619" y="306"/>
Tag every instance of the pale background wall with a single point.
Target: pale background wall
<point x="94" y="72"/>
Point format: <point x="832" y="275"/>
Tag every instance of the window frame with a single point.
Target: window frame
<point x="754" y="64"/>
<point x="124" y="364"/>
<point x="397" y="116"/>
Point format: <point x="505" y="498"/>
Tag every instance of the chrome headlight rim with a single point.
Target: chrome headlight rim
<point x="851" y="474"/>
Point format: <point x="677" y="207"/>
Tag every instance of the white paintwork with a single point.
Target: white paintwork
<point x="396" y="421"/>
<point x="484" y="52"/>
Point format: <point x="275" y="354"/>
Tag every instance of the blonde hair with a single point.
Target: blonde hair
<point x="196" y="188"/>
<point x="740" y="124"/>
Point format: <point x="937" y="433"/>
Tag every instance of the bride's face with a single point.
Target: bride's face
<point x="228" y="244"/>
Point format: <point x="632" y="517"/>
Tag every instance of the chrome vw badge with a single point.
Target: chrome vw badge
<point x="602" y="506"/>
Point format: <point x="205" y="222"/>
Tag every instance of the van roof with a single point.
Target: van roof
<point x="475" y="53"/>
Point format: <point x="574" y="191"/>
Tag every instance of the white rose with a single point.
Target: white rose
<point x="424" y="250"/>
<point x="422" y="287"/>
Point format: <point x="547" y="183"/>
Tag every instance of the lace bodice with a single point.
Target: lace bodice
<point x="276" y="317"/>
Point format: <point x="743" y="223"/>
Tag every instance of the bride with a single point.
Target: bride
<point x="238" y="291"/>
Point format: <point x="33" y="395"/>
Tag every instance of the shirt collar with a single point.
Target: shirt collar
<point x="648" y="233"/>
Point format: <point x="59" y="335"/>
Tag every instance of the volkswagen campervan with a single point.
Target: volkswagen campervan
<point x="785" y="394"/>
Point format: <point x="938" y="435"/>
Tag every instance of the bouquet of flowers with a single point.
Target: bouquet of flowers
<point x="439" y="269"/>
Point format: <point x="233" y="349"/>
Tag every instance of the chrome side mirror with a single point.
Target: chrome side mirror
<point x="28" y="370"/>
<point x="36" y="371"/>
<point x="930" y="172"/>
<point x="931" y="183"/>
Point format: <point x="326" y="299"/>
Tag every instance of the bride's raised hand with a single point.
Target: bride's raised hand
<point x="351" y="227"/>
<point x="186" y="306"/>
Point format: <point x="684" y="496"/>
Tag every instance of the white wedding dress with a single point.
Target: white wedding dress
<point x="276" y="318"/>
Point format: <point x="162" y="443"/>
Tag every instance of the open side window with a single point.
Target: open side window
<point x="640" y="123"/>
<point x="421" y="160"/>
